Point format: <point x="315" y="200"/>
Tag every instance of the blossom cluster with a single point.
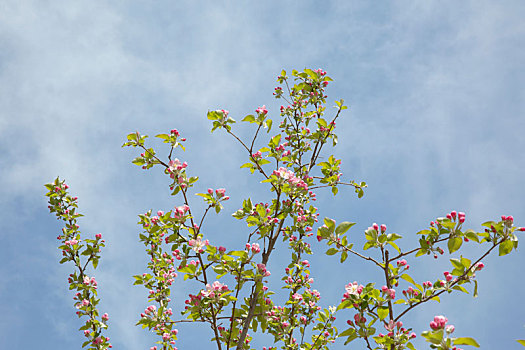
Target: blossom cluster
<point x="73" y="247"/>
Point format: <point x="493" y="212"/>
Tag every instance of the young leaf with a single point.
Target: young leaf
<point x="505" y="247"/>
<point x="343" y="227"/>
<point x="466" y="341"/>
<point x="454" y="243"/>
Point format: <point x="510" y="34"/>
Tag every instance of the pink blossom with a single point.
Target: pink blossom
<point x="256" y="248"/>
<point x="479" y="266"/>
<point x="198" y="244"/>
<point x="261" y="110"/>
<point x="175" y="165"/>
<point x="438" y="323"/>
<point x="401" y="262"/>
<point x="212" y="289"/>
<point x="448" y="276"/>
<point x="353" y="289"/>
<point x="297" y="296"/>
<point x="289" y="176"/>
<point x="358" y="318"/>
<point x="220" y="192"/>
<point x="262" y="269"/>
<point x="98" y="236"/>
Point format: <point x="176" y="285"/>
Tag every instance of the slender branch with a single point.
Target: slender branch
<point x="459" y="279"/>
<point x="388" y="284"/>
<point x="319" y="335"/>
<point x="416" y="249"/>
<point x="255" y="294"/>
<point x="237" y="291"/>
<point x="313" y="160"/>
<point x="254" y="138"/>
<point x="359" y="255"/>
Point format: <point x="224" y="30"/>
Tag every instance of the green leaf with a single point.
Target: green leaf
<point x="410" y="346"/>
<point x="395" y="246"/>
<point x="457" y="263"/>
<point x="471" y="234"/>
<point x="522" y="342"/>
<point x="269" y="125"/>
<point x="466" y="341"/>
<point x="343" y="227"/>
<point x="344" y="255"/>
<point x="331" y="251"/>
<point x="382" y="312"/>
<point x="407" y="278"/>
<point x="454" y="243"/>
<point x="274" y="142"/>
<point x="163" y="136"/>
<point x="349" y="331"/>
<point x="465" y="262"/>
<point x="138" y="161"/>
<point x="434" y="337"/>
<point x="488" y="224"/>
<point x="249" y="118"/>
<point x="421" y="252"/>
<point x="475" y="295"/>
<point x="460" y="288"/>
<point x="330" y="224"/>
<point x="505" y="247"/>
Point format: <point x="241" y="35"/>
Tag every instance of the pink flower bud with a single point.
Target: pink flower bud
<point x="383" y="228"/>
<point x="479" y="266"/>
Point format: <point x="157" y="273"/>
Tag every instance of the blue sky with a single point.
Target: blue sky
<point x="436" y="123"/>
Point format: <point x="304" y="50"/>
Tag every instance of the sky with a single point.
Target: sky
<point x="435" y="123"/>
